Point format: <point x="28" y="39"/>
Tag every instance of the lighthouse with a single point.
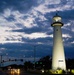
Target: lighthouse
<point x="58" y="56"/>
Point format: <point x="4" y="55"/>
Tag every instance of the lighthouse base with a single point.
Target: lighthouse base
<point x="58" y="71"/>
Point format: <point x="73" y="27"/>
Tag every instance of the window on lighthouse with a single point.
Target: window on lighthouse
<point x="57" y="19"/>
<point x="56" y="29"/>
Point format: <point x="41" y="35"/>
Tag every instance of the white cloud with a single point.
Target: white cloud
<point x="3" y="42"/>
<point x="49" y="2"/>
<point x="68" y="24"/>
<point x="26" y="22"/>
<point x="6" y="27"/>
<point x="43" y="7"/>
<point x="35" y="14"/>
<point x="72" y="42"/>
<point x="7" y="36"/>
<point x="51" y="35"/>
<point x="36" y="35"/>
<point x="72" y="29"/>
<point x="52" y="2"/>
<point x="40" y="43"/>
<point x="29" y="22"/>
<point x="2" y="49"/>
<point x="7" y="13"/>
<point x="16" y="37"/>
<point x="66" y="36"/>
<point x="10" y="37"/>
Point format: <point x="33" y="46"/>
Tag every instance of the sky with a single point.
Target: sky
<point x="25" y="25"/>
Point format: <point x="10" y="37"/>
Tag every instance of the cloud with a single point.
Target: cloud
<point x="72" y="29"/>
<point x="24" y="23"/>
<point x="7" y="27"/>
<point x="7" y="36"/>
<point x="67" y="36"/>
<point x="36" y="35"/>
<point x="27" y="22"/>
<point x="2" y="49"/>
<point x="72" y="42"/>
<point x="7" y="13"/>
<point x="45" y="7"/>
<point x="68" y="24"/>
<point x="48" y="2"/>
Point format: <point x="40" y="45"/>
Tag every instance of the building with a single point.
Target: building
<point x="58" y="56"/>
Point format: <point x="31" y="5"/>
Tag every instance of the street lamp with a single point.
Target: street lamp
<point x="34" y="55"/>
<point x="0" y="60"/>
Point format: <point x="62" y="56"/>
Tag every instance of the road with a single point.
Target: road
<point x="3" y="73"/>
<point x="8" y="72"/>
<point x="21" y="73"/>
<point x="24" y="74"/>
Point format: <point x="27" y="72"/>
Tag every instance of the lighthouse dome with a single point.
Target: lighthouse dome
<point x="57" y="21"/>
<point x="56" y="18"/>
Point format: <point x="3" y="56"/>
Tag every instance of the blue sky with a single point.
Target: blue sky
<point x="26" y="23"/>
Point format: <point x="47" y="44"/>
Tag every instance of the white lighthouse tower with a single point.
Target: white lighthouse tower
<point x="58" y="57"/>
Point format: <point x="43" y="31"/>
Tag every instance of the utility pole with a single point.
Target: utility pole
<point x="34" y="55"/>
<point x="0" y="60"/>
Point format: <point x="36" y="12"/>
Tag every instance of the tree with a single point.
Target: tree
<point x="44" y="63"/>
<point x="28" y="65"/>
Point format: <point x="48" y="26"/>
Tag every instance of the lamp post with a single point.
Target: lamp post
<point x="0" y="60"/>
<point x="34" y="55"/>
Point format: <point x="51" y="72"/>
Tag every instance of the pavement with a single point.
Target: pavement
<point x="22" y="73"/>
<point x="3" y="73"/>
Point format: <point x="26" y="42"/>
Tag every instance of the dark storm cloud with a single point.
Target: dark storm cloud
<point x="67" y="15"/>
<point x="29" y="30"/>
<point x="16" y="50"/>
<point x="33" y="29"/>
<point x="42" y="40"/>
<point x="69" y="52"/>
<point x="43" y="25"/>
<point x="21" y="5"/>
<point x="10" y="18"/>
